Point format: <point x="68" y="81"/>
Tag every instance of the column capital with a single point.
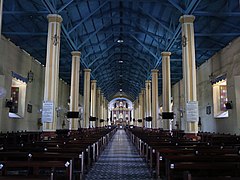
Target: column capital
<point x="54" y="18"/>
<point x="187" y="19"/>
<point x="98" y="89"/>
<point x="165" y="53"/>
<point x="142" y="89"/>
<point x="154" y="70"/>
<point x="76" y="53"/>
<point x="93" y="81"/>
<point x="87" y="70"/>
<point x="148" y="81"/>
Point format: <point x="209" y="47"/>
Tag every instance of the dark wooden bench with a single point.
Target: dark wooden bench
<point x="162" y="148"/>
<point x="35" y="166"/>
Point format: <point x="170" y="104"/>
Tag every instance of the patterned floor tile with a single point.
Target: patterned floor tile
<point x="119" y="161"/>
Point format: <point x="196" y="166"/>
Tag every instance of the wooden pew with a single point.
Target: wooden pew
<point x="52" y="166"/>
<point x="156" y="146"/>
<point x="80" y="148"/>
<point x="74" y="160"/>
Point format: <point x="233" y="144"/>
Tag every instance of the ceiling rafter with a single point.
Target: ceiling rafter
<point x="50" y="8"/>
<point x="176" y="5"/>
<point x="190" y="9"/>
<point x="64" y="6"/>
<point x="87" y="17"/>
<point x="155" y="25"/>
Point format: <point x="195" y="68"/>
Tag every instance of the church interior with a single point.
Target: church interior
<point x="119" y="89"/>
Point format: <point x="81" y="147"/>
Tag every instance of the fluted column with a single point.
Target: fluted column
<point x="143" y="92"/>
<point x="93" y="102"/>
<point x="154" y="98"/>
<point x="133" y="114"/>
<point x="109" y="115"/>
<point x="140" y="105"/>
<point x="86" y="97"/>
<point x="104" y="112"/>
<point x="189" y="72"/>
<point x="102" y="109"/>
<point x="148" y="103"/>
<point x="98" y="107"/>
<point x="136" y="112"/>
<point x="74" y="93"/>
<point x="1" y="12"/>
<point x="166" y="88"/>
<point x="52" y="68"/>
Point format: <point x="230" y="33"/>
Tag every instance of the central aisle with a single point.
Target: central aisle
<point x="120" y="160"/>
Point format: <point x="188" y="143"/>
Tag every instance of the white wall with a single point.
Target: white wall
<point x="225" y="61"/>
<point x="12" y="58"/>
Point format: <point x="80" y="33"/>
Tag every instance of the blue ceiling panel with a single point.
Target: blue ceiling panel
<point x="147" y="27"/>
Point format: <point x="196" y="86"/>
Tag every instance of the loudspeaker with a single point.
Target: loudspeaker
<point x="228" y="105"/>
<point x="167" y="115"/>
<point x="149" y="118"/>
<point x="8" y="103"/>
<point x="92" y="118"/>
<point x="72" y="114"/>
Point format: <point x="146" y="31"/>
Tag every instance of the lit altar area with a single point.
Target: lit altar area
<point x="121" y="112"/>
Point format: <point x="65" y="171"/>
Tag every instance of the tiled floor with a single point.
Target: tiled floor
<point x="119" y="161"/>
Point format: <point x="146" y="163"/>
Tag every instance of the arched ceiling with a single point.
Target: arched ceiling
<point x="147" y="27"/>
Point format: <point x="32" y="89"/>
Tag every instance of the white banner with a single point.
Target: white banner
<point x="47" y="111"/>
<point x="192" y="111"/>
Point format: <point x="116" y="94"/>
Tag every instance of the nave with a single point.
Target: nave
<point x="120" y="160"/>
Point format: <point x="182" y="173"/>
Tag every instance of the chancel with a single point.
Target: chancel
<point x="119" y="89"/>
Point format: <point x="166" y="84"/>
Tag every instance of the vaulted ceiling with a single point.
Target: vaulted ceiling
<point x="147" y="27"/>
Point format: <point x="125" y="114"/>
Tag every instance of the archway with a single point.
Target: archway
<point x="121" y="111"/>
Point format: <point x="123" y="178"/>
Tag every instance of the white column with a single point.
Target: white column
<point x="102" y="109"/>
<point x="93" y="102"/>
<point x="140" y="109"/>
<point x="52" y="67"/>
<point x="109" y="115"/>
<point x="98" y="107"/>
<point x="154" y="98"/>
<point x="133" y="115"/>
<point x="166" y="88"/>
<point x="148" y="102"/>
<point x="143" y="92"/>
<point x="86" y="97"/>
<point x="1" y="12"/>
<point x="133" y="112"/>
<point x="136" y="112"/>
<point x="106" y="112"/>
<point x="74" y="93"/>
<point x="189" y="70"/>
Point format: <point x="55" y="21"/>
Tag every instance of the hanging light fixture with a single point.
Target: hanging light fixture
<point x="120" y="39"/>
<point x="30" y="76"/>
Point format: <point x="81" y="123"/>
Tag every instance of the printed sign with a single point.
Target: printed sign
<point x="47" y="111"/>
<point x="192" y="111"/>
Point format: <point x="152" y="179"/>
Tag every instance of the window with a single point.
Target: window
<point x="18" y="96"/>
<point x="220" y="99"/>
